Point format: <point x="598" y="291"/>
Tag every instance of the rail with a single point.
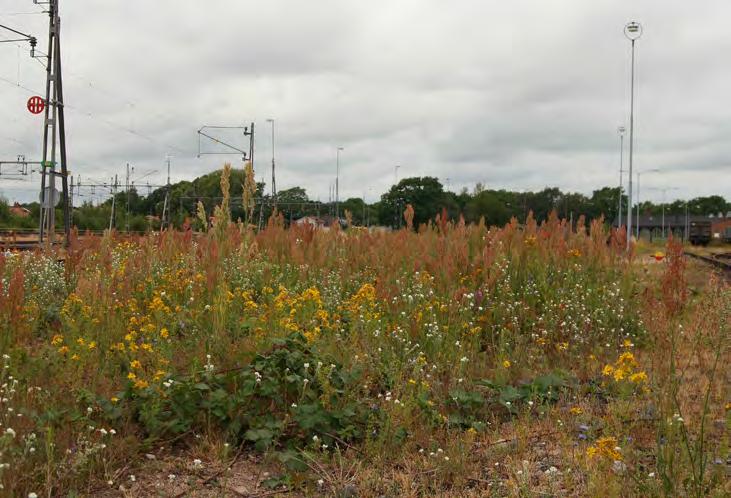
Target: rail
<point x="720" y="261"/>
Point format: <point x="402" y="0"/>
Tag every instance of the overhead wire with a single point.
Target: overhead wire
<point x="90" y="115"/>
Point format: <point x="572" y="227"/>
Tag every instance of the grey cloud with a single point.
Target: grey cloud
<point x="519" y="94"/>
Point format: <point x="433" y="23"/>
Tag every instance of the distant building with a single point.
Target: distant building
<point x="322" y="222"/>
<point x="19" y="211"/>
<point x="679" y="225"/>
<point x="721" y="228"/>
<point x="313" y="221"/>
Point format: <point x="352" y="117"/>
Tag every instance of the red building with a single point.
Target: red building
<point x="19" y="211"/>
<point x="721" y="228"/>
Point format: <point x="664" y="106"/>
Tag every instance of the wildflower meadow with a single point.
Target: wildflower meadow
<point x="449" y="360"/>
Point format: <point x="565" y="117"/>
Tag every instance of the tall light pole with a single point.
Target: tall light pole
<point x="337" y="183"/>
<point x="639" y="173"/>
<point x="632" y="31"/>
<point x="621" y="131"/>
<point x="274" y="181"/>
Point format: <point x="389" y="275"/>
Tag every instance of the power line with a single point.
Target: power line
<point x="105" y="121"/>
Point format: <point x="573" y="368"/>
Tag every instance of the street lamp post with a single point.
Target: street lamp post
<point x="621" y="131"/>
<point x="274" y="182"/>
<point x="632" y="31"/>
<point x="337" y="184"/>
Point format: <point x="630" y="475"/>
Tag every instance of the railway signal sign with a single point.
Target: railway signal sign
<point x="49" y="197"/>
<point x="36" y="105"/>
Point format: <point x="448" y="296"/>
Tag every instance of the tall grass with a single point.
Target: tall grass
<point x="421" y="346"/>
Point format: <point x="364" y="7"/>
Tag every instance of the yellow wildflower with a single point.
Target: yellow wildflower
<point x="506" y="363"/>
<point x="135" y="364"/>
<point x="638" y="378"/>
<point x="164" y="333"/>
<point x="140" y="384"/>
<point x="627" y="360"/>
<point x="57" y="339"/>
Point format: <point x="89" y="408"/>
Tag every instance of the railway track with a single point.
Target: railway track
<point x="722" y="262"/>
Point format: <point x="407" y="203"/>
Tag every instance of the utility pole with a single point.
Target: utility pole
<point x="71" y="199"/>
<point x="166" y="205"/>
<point x="274" y="180"/>
<point x="337" y="184"/>
<point x="247" y="131"/>
<point x="621" y="131"/>
<point x="126" y="209"/>
<point x="114" y="203"/>
<point x="55" y="124"/>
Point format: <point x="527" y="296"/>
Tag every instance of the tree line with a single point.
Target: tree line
<point x="134" y="212"/>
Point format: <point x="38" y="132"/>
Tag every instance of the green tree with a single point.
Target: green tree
<point x="425" y="194"/>
<point x="604" y="201"/>
<point x="487" y="204"/>
<point x="713" y="204"/>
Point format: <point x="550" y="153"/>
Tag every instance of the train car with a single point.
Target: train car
<point x="699" y="232"/>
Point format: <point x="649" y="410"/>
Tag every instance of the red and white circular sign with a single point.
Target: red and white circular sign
<point x="36" y="105"/>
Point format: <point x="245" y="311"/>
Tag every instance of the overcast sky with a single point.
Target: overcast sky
<point x="517" y="95"/>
